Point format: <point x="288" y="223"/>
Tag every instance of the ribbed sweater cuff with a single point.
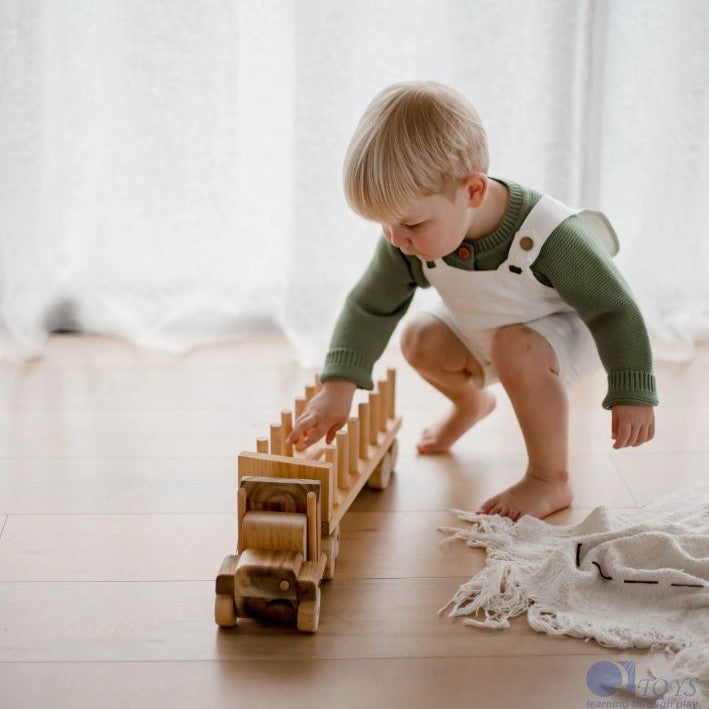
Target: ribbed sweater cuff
<point x="631" y="388"/>
<point x="348" y="364"/>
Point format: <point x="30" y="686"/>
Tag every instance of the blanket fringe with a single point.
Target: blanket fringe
<point x="547" y="620"/>
<point x="496" y="590"/>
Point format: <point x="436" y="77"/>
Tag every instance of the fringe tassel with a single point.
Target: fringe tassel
<point x="496" y="590"/>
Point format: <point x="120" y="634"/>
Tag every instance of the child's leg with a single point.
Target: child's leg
<point x="528" y="369"/>
<point x="439" y="356"/>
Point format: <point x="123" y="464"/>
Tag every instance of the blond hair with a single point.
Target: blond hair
<point x="415" y="139"/>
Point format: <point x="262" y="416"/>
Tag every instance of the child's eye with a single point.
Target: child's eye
<point x="415" y="226"/>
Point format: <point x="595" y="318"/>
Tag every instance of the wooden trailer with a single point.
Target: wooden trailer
<point x="290" y="505"/>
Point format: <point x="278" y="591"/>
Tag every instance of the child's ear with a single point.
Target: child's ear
<point x="475" y="188"/>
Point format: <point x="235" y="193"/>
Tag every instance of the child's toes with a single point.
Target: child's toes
<point x="488" y="505"/>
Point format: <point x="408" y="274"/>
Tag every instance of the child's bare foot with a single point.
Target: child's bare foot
<point x="532" y="495"/>
<point x="443" y="434"/>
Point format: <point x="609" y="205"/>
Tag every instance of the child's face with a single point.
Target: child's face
<point x="434" y="226"/>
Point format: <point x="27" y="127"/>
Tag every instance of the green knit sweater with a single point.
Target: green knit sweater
<point x="572" y="260"/>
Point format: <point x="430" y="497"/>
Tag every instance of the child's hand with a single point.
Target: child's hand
<point x="325" y="414"/>
<point x="632" y="424"/>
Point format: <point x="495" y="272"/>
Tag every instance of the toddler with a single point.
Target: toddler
<point x="529" y="294"/>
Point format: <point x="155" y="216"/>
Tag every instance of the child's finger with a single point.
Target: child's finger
<point x="635" y="437"/>
<point x="331" y="433"/>
<point x="644" y="436"/>
<point x="622" y="436"/>
<point x="305" y="422"/>
<point x="313" y="435"/>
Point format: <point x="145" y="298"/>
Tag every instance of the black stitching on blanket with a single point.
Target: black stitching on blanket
<point x="600" y="571"/>
<point x="689" y="585"/>
<point x="610" y="578"/>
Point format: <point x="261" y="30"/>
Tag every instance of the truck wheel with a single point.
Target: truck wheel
<point x="331" y="547"/>
<point x="309" y="613"/>
<point x="379" y="479"/>
<point x="224" y="611"/>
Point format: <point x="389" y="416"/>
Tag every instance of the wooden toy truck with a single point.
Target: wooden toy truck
<point x="290" y="505"/>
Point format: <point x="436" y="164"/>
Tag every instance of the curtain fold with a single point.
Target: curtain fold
<point x="170" y="171"/>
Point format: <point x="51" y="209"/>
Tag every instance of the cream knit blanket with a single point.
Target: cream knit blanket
<point x="639" y="579"/>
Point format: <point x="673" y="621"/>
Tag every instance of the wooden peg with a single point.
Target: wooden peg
<point x="276" y="439"/>
<point x="353" y="438"/>
<point x="364" y="430"/>
<point x="299" y="406"/>
<point x="287" y="427"/>
<point x="331" y="457"/>
<point x="343" y="465"/>
<point x="383" y="387"/>
<point x="391" y="378"/>
<point x="262" y="445"/>
<point x="309" y="391"/>
<point x="373" y="417"/>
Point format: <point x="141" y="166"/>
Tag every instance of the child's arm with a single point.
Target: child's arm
<point x="575" y="262"/>
<point x="371" y="311"/>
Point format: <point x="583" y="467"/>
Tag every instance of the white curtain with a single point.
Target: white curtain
<point x="170" y="170"/>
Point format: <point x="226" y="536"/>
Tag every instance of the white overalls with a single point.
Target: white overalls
<point x="474" y="304"/>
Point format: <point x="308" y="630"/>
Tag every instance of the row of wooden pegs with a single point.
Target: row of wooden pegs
<point x="351" y="444"/>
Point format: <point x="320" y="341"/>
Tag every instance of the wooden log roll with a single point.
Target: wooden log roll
<point x="287" y="427"/>
<point x="314" y="529"/>
<point x="275" y="531"/>
<point x="241" y="505"/>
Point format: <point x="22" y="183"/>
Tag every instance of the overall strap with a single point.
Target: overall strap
<point x="541" y="221"/>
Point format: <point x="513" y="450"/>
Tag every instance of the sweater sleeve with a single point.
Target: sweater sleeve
<point x="371" y="311"/>
<point x="574" y="261"/>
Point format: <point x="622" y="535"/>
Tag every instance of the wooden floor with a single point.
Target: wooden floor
<point x="117" y="505"/>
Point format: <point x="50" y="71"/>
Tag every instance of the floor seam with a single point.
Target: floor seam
<point x="378" y="658"/>
<point x="623" y="480"/>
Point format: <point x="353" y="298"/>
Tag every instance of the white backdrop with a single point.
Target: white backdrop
<point x="170" y="170"/>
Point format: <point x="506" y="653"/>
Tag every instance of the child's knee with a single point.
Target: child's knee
<point x="420" y="340"/>
<point x="518" y="350"/>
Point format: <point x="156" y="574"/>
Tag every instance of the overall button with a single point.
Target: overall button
<point x="463" y="252"/>
<point x="526" y="243"/>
